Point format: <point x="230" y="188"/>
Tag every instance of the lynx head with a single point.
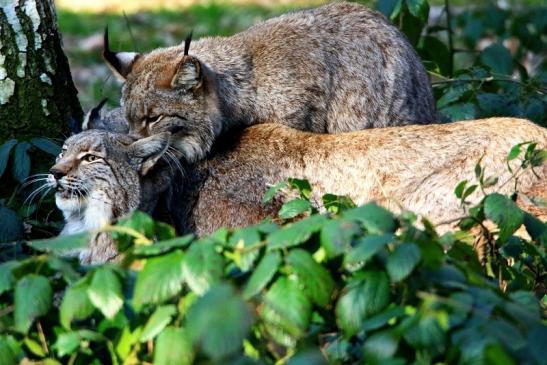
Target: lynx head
<point x="168" y="90"/>
<point x="97" y="175"/>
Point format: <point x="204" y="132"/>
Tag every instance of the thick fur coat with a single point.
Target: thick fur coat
<point x="335" y="68"/>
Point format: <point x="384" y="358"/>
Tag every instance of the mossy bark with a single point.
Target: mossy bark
<point x="37" y="95"/>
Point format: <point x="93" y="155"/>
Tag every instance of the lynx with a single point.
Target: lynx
<point x="97" y="178"/>
<point x="410" y="167"/>
<point x="335" y="68"/>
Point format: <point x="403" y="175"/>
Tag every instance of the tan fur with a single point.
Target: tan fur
<point x="411" y="167"/>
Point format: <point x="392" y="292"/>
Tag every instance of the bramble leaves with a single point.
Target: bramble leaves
<point x="505" y="213"/>
<point x="160" y="279"/>
<point x="364" y="296"/>
<point x="105" y="292"/>
<point x="33" y="296"/>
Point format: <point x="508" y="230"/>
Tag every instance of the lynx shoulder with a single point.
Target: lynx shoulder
<point x="335" y="68"/>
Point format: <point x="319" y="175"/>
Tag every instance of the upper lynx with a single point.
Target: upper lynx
<point x="336" y="68"/>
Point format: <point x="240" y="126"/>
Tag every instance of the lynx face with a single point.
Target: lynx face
<point x="97" y="176"/>
<point x="167" y="91"/>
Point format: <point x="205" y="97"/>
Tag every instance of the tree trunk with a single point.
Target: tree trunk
<point x="37" y="95"/>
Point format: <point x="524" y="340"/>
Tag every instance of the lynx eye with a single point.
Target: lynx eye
<point x="153" y="120"/>
<point x="90" y="158"/>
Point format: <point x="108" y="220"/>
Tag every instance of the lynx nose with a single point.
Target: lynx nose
<point x="57" y="173"/>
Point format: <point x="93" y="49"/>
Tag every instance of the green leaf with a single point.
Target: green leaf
<point x="46" y="145"/>
<point x="11" y="351"/>
<point x="105" y="292"/>
<point x="262" y="275"/>
<point x="490" y="181"/>
<point x="514" y="152"/>
<point x="61" y="243"/>
<point x="380" y="346"/>
<point x="157" y="322"/>
<point x="456" y="112"/>
<point x="470" y="190"/>
<point x="453" y="93"/>
<point x="294" y="208"/>
<point x="6" y="277"/>
<point x="367" y="247"/>
<point x="362" y="298"/>
<point x="402" y="261"/>
<point x="505" y="213"/>
<point x="373" y="217"/>
<point x="273" y="190"/>
<point x="67" y="343"/>
<point x="458" y="191"/>
<point x="536" y="343"/>
<point x="296" y="233"/>
<point x="139" y="221"/>
<point x="498" y="58"/>
<point x="390" y="8"/>
<point x="302" y="185"/>
<point x="21" y="161"/>
<point x="219" y="322"/>
<point x="160" y="279"/>
<point x="5" y="150"/>
<point x="317" y="281"/>
<point x="202" y="267"/>
<point x="337" y="203"/>
<point x="536" y="229"/>
<point x="286" y="312"/>
<point x="32" y="299"/>
<point x="495" y="354"/>
<point x="173" y="347"/>
<point x="336" y="236"/>
<point x="436" y="51"/>
<point x="34" y="347"/>
<point x="11" y="225"/>
<point x="75" y="304"/>
<point x="162" y="247"/>
<point x="244" y="238"/>
<point x="419" y="8"/>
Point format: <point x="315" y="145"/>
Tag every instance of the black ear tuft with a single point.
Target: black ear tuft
<point x="108" y="55"/>
<point x="121" y="63"/>
<point x="96" y="111"/>
<point x="92" y="119"/>
<point x="187" y="42"/>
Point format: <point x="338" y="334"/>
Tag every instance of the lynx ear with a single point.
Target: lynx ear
<point x="149" y="150"/>
<point x="92" y="119"/>
<point x="121" y="63"/>
<point x="188" y="75"/>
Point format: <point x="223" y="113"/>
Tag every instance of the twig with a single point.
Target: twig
<point x="130" y="32"/>
<point x="450" y="40"/>
<point x="450" y="221"/>
<point x="42" y="337"/>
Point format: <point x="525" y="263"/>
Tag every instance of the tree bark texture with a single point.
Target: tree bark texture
<point x="37" y="95"/>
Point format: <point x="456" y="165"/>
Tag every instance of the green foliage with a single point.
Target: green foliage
<point x="362" y="284"/>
